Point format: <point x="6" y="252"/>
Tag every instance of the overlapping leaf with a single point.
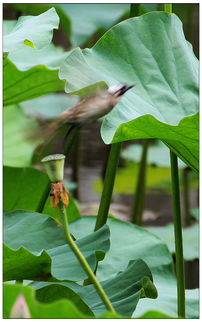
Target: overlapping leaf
<point x="129" y="242"/>
<point x="45" y="239"/>
<point x="64" y="308"/>
<point x="80" y="21"/>
<point x="26" y="84"/>
<point x="164" y="102"/>
<point x="61" y="309"/>
<point x="28" y="31"/>
<point x="31" y="59"/>
<point x="124" y="290"/>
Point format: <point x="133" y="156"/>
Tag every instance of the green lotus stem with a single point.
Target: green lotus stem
<point x="178" y="236"/>
<point x="108" y="185"/>
<point x="134" y="9"/>
<point x="138" y="204"/>
<point x="84" y="262"/>
<point x="185" y="178"/>
<point x="168" y="7"/>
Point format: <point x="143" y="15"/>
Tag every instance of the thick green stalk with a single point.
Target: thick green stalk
<point x="84" y="263"/>
<point x="168" y="7"/>
<point x="138" y="204"/>
<point x="108" y="185"/>
<point x="186" y="186"/>
<point x="134" y="9"/>
<point x="178" y="236"/>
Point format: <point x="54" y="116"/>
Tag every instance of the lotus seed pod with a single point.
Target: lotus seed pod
<point x="20" y="309"/>
<point x="54" y="165"/>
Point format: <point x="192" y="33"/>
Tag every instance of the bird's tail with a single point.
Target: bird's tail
<point x="45" y="131"/>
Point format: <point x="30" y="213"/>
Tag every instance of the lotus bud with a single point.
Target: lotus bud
<point x="20" y="309"/>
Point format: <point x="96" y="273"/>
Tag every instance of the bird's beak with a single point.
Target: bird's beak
<point x="126" y="88"/>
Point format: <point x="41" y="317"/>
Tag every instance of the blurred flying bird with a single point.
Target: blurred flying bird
<point x="87" y="110"/>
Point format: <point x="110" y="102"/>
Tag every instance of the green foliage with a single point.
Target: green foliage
<point x="35" y="31"/>
<point x="80" y="21"/>
<point x="28" y="189"/>
<point x="137" y="242"/>
<point x="168" y="107"/>
<point x="124" y="290"/>
<point x="61" y="309"/>
<point x="24" y="188"/>
<point x="134" y="266"/>
<point x="26" y="84"/>
<point x="27" y="46"/>
<point x="46" y="238"/>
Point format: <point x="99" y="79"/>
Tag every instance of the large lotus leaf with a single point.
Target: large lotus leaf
<point x="24" y="85"/>
<point x="28" y="234"/>
<point x="157" y="154"/>
<point x="28" y="189"/>
<point x="124" y="290"/>
<point x="37" y="8"/>
<point x="50" y="56"/>
<point x="27" y="57"/>
<point x="190" y="239"/>
<point x="18" y="149"/>
<point x="128" y="242"/>
<point x="85" y="19"/>
<point x="165" y="99"/>
<point x="8" y="25"/>
<point x="32" y="60"/>
<point x="24" y="188"/>
<point x="61" y="309"/>
<point x="34" y="31"/>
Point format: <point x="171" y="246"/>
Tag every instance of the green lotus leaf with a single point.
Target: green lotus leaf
<point x="80" y="21"/>
<point x="127" y="242"/>
<point x="32" y="60"/>
<point x="124" y="290"/>
<point x="46" y="239"/>
<point x="61" y="309"/>
<point x="28" y="189"/>
<point x="27" y="84"/>
<point x="164" y="102"/>
<point x="34" y="31"/>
